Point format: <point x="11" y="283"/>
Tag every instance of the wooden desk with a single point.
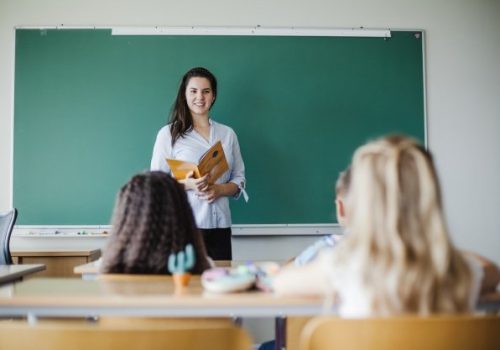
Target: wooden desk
<point x="149" y="297"/>
<point x="90" y="270"/>
<point x="155" y="296"/>
<point x="59" y="263"/>
<point x="145" y="296"/>
<point x="11" y="273"/>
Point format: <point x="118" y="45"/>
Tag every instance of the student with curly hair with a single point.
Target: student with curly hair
<point x="152" y="219"/>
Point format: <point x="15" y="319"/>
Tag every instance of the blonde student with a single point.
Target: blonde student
<point x="151" y="220"/>
<point x="398" y="257"/>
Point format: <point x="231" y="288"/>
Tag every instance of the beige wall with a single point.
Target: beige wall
<point x="463" y="77"/>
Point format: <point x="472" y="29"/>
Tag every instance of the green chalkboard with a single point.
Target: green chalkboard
<point x="88" y="106"/>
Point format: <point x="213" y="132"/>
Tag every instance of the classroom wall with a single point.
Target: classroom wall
<point x="463" y="78"/>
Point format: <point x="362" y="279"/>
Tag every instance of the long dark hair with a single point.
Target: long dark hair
<point x="152" y="219"/>
<point x="181" y="120"/>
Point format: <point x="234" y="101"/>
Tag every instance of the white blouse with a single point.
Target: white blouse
<point x="191" y="147"/>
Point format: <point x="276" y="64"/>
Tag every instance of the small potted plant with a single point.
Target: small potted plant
<point x="179" y="265"/>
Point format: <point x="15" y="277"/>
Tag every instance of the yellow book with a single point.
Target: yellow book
<point x="212" y="162"/>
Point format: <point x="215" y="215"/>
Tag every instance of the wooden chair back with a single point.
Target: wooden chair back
<point x="409" y="333"/>
<point x="15" y="336"/>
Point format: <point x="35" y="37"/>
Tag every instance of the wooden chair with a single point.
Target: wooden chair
<point x="59" y="336"/>
<point x="429" y="333"/>
<point x="7" y="221"/>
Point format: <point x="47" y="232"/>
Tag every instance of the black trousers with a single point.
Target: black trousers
<point x="218" y="243"/>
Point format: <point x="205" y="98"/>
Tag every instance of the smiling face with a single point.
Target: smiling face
<point x="199" y="96"/>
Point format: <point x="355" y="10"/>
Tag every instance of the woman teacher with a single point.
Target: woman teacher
<point x="188" y="135"/>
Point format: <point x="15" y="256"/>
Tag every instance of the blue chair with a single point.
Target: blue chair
<point x="7" y="221"/>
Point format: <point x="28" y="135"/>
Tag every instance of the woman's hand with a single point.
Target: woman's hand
<point x="215" y="191"/>
<point x="211" y="193"/>
<point x="198" y="185"/>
